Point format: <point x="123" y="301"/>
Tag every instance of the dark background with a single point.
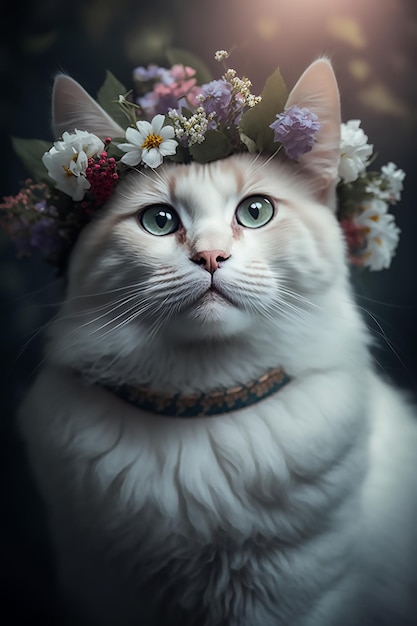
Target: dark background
<point x="373" y="46"/>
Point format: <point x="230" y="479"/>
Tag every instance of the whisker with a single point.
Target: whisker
<point x="381" y="332"/>
<point x="37" y="292"/>
<point x="34" y="335"/>
<point x="385" y="304"/>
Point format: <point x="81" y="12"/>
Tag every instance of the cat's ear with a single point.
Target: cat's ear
<point x="317" y="91"/>
<point x="73" y="108"/>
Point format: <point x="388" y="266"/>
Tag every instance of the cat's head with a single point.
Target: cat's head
<point x="243" y="246"/>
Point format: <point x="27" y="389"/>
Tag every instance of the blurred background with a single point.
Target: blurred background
<point x="373" y="46"/>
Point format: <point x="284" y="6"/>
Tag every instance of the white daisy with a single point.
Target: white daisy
<point x="148" y="143"/>
<point x="355" y="151"/>
<point x="382" y="234"/>
<point x="67" y="162"/>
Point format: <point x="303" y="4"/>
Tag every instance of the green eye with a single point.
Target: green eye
<point x="159" y="220"/>
<point x="254" y="212"/>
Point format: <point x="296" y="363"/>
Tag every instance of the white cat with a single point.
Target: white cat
<point x="297" y="510"/>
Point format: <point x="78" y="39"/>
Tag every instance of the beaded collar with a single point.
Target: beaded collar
<point x="204" y="404"/>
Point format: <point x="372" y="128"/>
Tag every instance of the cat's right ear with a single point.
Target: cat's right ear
<point x="317" y="91"/>
<point x="73" y="108"/>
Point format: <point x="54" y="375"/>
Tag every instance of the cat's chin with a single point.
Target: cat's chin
<point x="213" y="315"/>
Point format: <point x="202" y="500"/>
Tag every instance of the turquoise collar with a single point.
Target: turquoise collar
<point x="204" y="404"/>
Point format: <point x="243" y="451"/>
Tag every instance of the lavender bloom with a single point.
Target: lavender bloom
<point x="165" y="76"/>
<point x="45" y="236"/>
<point x="154" y="104"/>
<point x="150" y="73"/>
<point x="165" y="103"/>
<point x="41" y="206"/>
<point x="148" y="103"/>
<point x="296" y="130"/>
<point x="216" y="99"/>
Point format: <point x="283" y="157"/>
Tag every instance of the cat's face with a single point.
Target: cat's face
<point x="211" y="250"/>
<point x="244" y="250"/>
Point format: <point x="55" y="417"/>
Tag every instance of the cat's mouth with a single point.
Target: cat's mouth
<point x="214" y="294"/>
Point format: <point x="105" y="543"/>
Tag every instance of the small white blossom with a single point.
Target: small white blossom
<point x="221" y="55"/>
<point x="387" y="185"/>
<point x="374" y="187"/>
<point x="381" y="232"/>
<point x="392" y="179"/>
<point x="148" y="143"/>
<point x="67" y="162"/>
<point x="355" y="151"/>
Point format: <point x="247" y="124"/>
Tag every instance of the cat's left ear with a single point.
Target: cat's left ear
<point x="317" y="91"/>
<point x="73" y="108"/>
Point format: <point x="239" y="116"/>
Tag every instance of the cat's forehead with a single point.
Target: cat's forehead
<point x="213" y="189"/>
<point x="198" y="188"/>
<point x="233" y="177"/>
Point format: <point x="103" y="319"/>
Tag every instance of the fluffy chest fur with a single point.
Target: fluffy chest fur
<point x="213" y="506"/>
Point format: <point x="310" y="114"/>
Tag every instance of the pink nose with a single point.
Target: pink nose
<point x="210" y="259"/>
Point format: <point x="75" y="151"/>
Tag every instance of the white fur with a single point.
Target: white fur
<point x="297" y="510"/>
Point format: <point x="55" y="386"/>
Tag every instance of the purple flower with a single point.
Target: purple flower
<point x="296" y="130"/>
<point x="45" y="236"/>
<point x="148" y="103"/>
<point x="217" y="96"/>
<point x="41" y="206"/>
<point x="165" y="103"/>
<point x="150" y="73"/>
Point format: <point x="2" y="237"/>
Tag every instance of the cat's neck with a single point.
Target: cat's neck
<point x="208" y="365"/>
<point x="184" y="367"/>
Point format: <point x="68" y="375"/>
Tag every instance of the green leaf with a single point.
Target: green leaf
<point x="186" y="112"/>
<point x="181" y="155"/>
<point x="108" y="96"/>
<point x="184" y="57"/>
<point x="255" y="122"/>
<point x="31" y="152"/>
<point x="215" y="146"/>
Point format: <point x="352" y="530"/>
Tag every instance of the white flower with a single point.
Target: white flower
<point x="392" y="179"/>
<point x="382" y="234"/>
<point x="221" y="55"/>
<point x="149" y="143"/>
<point x="67" y="162"/>
<point x="374" y="187"/>
<point x="387" y="185"/>
<point x="355" y="151"/>
<point x="82" y="141"/>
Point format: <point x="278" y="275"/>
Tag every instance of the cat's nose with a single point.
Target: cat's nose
<point x="210" y="259"/>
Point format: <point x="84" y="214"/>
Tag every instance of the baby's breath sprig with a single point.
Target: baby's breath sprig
<point x="221" y="55"/>
<point x="190" y="130"/>
<point x="242" y="88"/>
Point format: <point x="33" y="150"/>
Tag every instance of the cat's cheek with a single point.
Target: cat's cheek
<point x="181" y="236"/>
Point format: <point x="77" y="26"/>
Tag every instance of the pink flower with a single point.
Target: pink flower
<point x="355" y="240"/>
<point x="170" y="86"/>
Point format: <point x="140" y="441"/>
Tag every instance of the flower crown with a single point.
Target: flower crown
<point x="180" y="115"/>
